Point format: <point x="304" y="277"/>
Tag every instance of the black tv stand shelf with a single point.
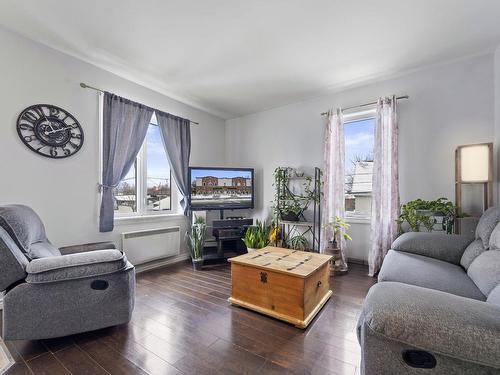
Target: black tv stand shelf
<point x="226" y="241"/>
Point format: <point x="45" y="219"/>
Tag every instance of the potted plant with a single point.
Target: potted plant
<point x="291" y="211"/>
<point x="257" y="236"/>
<point x="419" y="212"/>
<point x="337" y="225"/>
<point x="299" y="242"/>
<point x="196" y="241"/>
<point x="288" y="205"/>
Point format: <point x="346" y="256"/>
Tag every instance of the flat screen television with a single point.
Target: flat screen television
<point x="221" y="188"/>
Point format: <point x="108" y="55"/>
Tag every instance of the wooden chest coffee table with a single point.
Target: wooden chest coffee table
<point x="286" y="284"/>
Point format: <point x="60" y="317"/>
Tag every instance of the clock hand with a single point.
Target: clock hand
<point x="46" y="119"/>
<point x="58" y="130"/>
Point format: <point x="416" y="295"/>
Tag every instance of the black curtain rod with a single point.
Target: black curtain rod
<point x="85" y="86"/>
<point x="366" y="104"/>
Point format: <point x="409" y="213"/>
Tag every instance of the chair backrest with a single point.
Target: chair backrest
<point x="13" y="262"/>
<point x="27" y="230"/>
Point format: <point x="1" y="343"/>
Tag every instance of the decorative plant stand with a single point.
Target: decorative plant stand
<point x="285" y="194"/>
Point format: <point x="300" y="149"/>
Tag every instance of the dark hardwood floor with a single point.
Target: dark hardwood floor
<point x="183" y="324"/>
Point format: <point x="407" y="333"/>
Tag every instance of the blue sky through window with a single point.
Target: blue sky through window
<point x="359" y="140"/>
<point x="157" y="161"/>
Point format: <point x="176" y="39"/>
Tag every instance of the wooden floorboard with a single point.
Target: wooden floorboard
<point x="182" y="324"/>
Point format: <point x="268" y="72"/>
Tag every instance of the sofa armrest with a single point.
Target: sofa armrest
<point x="447" y="247"/>
<point x="74" y="249"/>
<point x="75" y="266"/>
<point x="434" y="321"/>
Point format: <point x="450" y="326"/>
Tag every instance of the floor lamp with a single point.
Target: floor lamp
<point x="473" y="170"/>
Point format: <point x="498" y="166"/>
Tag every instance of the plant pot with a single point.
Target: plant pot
<point x="290" y="216"/>
<point x="197" y="264"/>
<point x="249" y="249"/>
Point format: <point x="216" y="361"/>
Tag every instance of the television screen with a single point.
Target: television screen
<point x="220" y="188"/>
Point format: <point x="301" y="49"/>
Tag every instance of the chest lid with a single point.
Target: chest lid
<point x="293" y="262"/>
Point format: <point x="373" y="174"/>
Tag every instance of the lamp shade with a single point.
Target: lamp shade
<point x="475" y="163"/>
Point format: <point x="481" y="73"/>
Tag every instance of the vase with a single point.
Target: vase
<point x="197" y="264"/>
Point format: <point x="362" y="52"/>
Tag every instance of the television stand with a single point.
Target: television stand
<point x="227" y="239"/>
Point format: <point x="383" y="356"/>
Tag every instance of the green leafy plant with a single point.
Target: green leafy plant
<point x="338" y="226"/>
<point x="257" y="236"/>
<point x="419" y="212"/>
<point x="288" y="205"/>
<point x="299" y="242"/>
<point x="196" y="238"/>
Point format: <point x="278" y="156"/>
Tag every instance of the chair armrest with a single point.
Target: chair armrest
<point x="74" y="249"/>
<point x="75" y="266"/>
<point x="447" y="247"/>
<point x="434" y="321"/>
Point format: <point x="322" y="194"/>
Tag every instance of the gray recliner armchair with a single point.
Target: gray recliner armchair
<point x="436" y="307"/>
<point x="51" y="292"/>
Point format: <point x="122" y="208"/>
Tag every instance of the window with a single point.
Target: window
<point x="147" y="187"/>
<point x="359" y="140"/>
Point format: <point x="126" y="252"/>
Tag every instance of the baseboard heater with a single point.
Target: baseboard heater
<point x="152" y="244"/>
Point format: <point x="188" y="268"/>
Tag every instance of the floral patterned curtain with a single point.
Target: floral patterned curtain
<point x="334" y="178"/>
<point x="385" y="203"/>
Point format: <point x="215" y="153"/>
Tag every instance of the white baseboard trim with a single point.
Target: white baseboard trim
<point x="161" y="263"/>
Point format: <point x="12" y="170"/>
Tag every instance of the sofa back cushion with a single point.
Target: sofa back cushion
<point x="494" y="296"/>
<point x="485" y="271"/>
<point x="487" y="222"/>
<point x="27" y="230"/>
<point x="474" y="249"/>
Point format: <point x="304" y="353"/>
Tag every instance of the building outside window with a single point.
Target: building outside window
<point x="359" y="141"/>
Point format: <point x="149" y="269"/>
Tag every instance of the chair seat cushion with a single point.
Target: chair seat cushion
<point x="428" y="273"/>
<point x="75" y="266"/>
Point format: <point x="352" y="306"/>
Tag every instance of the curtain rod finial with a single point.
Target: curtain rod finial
<point x="83" y="85"/>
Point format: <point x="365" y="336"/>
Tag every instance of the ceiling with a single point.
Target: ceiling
<point x="234" y="57"/>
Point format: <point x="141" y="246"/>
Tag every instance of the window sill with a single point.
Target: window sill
<point x="358" y="219"/>
<point x="122" y="220"/>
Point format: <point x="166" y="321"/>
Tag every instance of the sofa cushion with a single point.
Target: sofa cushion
<point x="487" y="223"/>
<point x="27" y="231"/>
<point x="494" y="296"/>
<point x="485" y="271"/>
<point x="428" y="273"/>
<point x="471" y="252"/>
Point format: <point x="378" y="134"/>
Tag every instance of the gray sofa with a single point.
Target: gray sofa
<point x="436" y="307"/>
<point x="51" y="292"/>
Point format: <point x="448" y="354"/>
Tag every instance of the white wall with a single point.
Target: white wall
<point x="449" y="105"/>
<point x="64" y="192"/>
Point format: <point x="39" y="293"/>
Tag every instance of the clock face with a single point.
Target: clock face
<point x="50" y="131"/>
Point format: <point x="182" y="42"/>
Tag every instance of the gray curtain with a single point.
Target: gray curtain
<point x="125" y="124"/>
<point x="176" y="135"/>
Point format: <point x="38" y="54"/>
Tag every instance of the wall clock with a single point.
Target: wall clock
<point x="50" y="131"/>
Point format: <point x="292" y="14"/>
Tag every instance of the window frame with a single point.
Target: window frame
<point x="140" y="180"/>
<point x="356" y="116"/>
